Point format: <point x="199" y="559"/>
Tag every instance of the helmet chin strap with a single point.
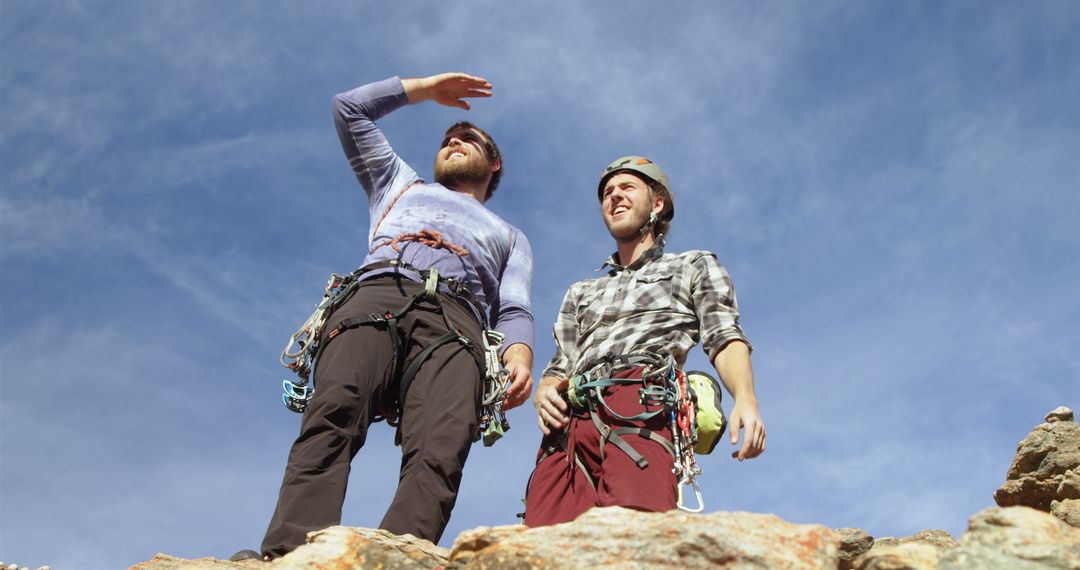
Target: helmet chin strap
<point x="648" y="224"/>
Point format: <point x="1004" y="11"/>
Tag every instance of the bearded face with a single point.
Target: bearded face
<point x="462" y="159"/>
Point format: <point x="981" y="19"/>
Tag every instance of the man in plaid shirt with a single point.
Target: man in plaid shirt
<point x="651" y="301"/>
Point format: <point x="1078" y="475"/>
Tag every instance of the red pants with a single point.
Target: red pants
<point x="559" y="491"/>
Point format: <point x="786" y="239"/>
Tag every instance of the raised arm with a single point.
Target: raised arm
<point x="377" y="167"/>
<point x="450" y="89"/>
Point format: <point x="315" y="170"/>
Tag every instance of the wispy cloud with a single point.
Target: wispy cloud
<point x="895" y="200"/>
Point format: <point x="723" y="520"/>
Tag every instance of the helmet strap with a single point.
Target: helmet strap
<point x="648" y="224"/>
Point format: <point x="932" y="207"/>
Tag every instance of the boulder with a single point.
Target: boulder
<point x="939" y="539"/>
<point x="1067" y="510"/>
<point x="916" y="552"/>
<point x="1046" y="464"/>
<point x="1070" y="485"/>
<point x="614" y="537"/>
<point x="166" y="562"/>
<point x="354" y="547"/>
<point x="1014" y="537"/>
<point x="334" y="547"/>
<point x="853" y="543"/>
<point x="907" y="556"/>
<point x="1059" y="414"/>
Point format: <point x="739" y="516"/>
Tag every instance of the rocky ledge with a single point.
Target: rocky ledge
<point x="1036" y="526"/>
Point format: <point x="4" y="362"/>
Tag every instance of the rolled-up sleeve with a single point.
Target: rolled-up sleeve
<point x="512" y="311"/>
<point x="565" y="332"/>
<point x="715" y="305"/>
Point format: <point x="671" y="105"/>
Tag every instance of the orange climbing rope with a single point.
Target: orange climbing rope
<point x="430" y="238"/>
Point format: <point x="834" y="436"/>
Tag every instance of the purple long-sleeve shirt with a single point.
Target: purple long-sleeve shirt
<point x="498" y="268"/>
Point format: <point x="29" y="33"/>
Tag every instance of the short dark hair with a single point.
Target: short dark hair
<point x="663" y="221"/>
<point x="492" y="152"/>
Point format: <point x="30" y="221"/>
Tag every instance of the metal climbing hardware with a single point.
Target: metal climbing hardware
<point x="493" y="422"/>
<point x="690" y="402"/>
<point x="303" y="346"/>
<point x="692" y="482"/>
<point x="301" y="354"/>
<point x="431" y="284"/>
<point x="296" y="396"/>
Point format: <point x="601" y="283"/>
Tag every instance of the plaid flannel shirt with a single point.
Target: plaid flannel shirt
<point x="663" y="303"/>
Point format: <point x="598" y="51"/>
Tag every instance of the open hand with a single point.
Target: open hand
<point x="450" y="89"/>
<point x="745" y="418"/>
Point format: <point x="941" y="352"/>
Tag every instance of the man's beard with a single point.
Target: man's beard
<point x="629" y="228"/>
<point x="461" y="172"/>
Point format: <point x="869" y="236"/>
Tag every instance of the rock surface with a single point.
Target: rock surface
<point x="907" y="556"/>
<point x="853" y="543"/>
<point x="920" y="550"/>
<point x="1045" y="474"/>
<point x="1059" y="414"/>
<point x="332" y="548"/>
<point x="1046" y="467"/>
<point x="615" y="537"/>
<point x="1067" y="510"/>
<point x="1015" y="537"/>
<point x="935" y="538"/>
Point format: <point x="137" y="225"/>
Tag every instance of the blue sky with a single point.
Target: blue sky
<point x="894" y="188"/>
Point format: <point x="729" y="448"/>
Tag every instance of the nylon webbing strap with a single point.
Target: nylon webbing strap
<point x="389" y="322"/>
<point x="607" y="434"/>
<point x="414" y="367"/>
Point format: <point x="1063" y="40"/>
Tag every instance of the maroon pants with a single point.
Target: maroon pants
<point x="352" y="378"/>
<point x="559" y="490"/>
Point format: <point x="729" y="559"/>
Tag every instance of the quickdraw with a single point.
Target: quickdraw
<point x="663" y="386"/>
<point x="684" y="423"/>
<point x="493" y="422"/>
<point x="301" y="354"/>
<point x="303" y="346"/>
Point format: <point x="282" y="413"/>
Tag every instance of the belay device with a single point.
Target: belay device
<point x="301" y="354"/>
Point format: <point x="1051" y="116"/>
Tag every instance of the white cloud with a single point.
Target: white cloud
<point x="897" y="211"/>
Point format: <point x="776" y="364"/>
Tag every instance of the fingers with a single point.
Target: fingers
<point x="521" y="384"/>
<point x="753" y="441"/>
<point x="550" y="410"/>
<point x="453" y="88"/>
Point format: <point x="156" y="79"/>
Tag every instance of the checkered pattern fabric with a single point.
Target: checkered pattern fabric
<point x="663" y="303"/>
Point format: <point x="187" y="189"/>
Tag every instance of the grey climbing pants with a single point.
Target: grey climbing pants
<point x="354" y="379"/>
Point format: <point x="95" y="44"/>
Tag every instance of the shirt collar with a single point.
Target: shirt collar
<point x="646" y="256"/>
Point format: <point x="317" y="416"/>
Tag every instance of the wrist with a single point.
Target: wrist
<point x="550" y="381"/>
<point x="518" y="353"/>
<point x="415" y="89"/>
<point x="746" y="400"/>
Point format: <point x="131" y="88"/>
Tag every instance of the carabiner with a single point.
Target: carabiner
<point x="697" y="495"/>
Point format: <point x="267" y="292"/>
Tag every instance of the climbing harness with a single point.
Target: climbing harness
<point x="302" y="352"/>
<point x="690" y="401"/>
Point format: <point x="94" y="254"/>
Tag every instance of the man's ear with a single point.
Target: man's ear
<point x="496" y="166"/>
<point x="658" y="204"/>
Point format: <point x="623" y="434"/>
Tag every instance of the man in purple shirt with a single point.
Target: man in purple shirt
<point x="394" y="348"/>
